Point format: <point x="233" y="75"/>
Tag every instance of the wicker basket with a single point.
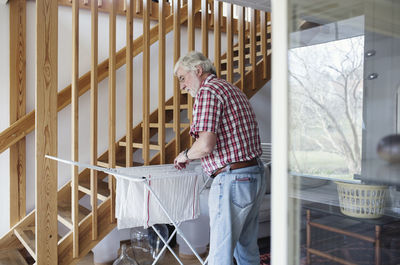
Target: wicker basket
<point x="361" y="201"/>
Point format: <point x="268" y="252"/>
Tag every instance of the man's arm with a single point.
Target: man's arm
<point x="203" y="146"/>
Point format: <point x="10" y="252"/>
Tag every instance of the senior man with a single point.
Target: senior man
<point x="228" y="144"/>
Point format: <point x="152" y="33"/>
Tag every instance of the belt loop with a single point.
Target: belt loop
<point x="228" y="168"/>
<point x="260" y="163"/>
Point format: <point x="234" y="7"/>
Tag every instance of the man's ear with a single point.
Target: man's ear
<point x="199" y="70"/>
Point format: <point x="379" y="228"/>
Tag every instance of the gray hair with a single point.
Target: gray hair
<point x="193" y="59"/>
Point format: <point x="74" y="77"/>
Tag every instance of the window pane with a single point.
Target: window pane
<point x="344" y="151"/>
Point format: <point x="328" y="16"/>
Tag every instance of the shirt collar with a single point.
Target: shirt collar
<point x="208" y="78"/>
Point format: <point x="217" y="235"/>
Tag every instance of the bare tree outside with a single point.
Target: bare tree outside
<point x="326" y="96"/>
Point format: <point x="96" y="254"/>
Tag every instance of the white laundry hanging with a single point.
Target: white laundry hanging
<point x="177" y="190"/>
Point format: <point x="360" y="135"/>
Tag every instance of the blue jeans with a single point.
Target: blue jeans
<point x="234" y="203"/>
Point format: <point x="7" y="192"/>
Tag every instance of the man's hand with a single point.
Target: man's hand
<point x="203" y="146"/>
<point x="181" y="161"/>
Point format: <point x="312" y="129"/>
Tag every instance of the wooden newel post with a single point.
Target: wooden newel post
<point x="46" y="131"/>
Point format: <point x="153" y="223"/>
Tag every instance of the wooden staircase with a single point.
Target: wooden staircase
<point x="21" y="237"/>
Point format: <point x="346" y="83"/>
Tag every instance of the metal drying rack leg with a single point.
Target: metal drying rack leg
<point x="179" y="231"/>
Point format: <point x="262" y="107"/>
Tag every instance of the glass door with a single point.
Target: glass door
<point x="335" y="132"/>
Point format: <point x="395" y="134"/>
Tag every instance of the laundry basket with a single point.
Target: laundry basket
<point x="361" y="201"/>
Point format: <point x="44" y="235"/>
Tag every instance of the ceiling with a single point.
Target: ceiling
<point x="381" y="16"/>
<point x="264" y="5"/>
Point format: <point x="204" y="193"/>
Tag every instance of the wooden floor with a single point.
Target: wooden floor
<point x="168" y="259"/>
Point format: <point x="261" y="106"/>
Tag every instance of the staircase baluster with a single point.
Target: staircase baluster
<point x="191" y="47"/>
<point x="75" y="126"/>
<point x="129" y="83"/>
<point x="146" y="82"/>
<point x="177" y="93"/>
<point x="229" y="40"/>
<point x="138" y="7"/>
<point x="18" y="95"/>
<point x="217" y="36"/>
<point x="161" y="79"/>
<point x="204" y="27"/>
<point x="112" y="105"/>
<point x="263" y="31"/>
<point x="94" y="113"/>
<point x="253" y="42"/>
<point x="242" y="50"/>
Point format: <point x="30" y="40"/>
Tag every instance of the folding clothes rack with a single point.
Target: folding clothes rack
<point x="145" y="181"/>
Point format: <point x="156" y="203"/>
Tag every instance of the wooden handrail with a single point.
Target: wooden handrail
<point x="105" y="7"/>
<point x="26" y="124"/>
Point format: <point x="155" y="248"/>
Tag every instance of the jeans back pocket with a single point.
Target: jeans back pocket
<point x="243" y="190"/>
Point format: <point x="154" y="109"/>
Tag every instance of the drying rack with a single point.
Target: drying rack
<point x="145" y="181"/>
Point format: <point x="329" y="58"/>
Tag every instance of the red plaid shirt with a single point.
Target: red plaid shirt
<point x="222" y="108"/>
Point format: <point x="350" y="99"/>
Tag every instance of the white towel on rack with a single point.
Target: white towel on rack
<point x="177" y="190"/>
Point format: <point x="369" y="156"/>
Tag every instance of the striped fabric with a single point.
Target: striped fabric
<point x="223" y="109"/>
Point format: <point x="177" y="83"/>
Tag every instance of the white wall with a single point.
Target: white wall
<point x="64" y="79"/>
<point x="4" y="117"/>
<point x="261" y="103"/>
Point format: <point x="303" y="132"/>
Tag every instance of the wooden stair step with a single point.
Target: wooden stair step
<point x="65" y="214"/>
<point x="247" y="46"/>
<point x="27" y="237"/>
<point x="182" y="106"/>
<point x="102" y="188"/>
<point x="152" y="146"/>
<point x="236" y="70"/>
<point x="236" y="58"/>
<point x="118" y="164"/>
<point x="105" y="164"/>
<point x="11" y="257"/>
<point x="168" y="125"/>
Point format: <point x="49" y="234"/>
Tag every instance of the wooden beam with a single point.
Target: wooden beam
<point x="263" y="29"/>
<point x="229" y="39"/>
<point x="217" y="36"/>
<point x="75" y="126"/>
<point x="161" y="80"/>
<point x="191" y="35"/>
<point x="17" y="108"/>
<point x="129" y="83"/>
<point x="112" y="105"/>
<point x="191" y="47"/>
<point x="177" y="93"/>
<point x="26" y="124"/>
<point x="253" y="42"/>
<point x="204" y="27"/>
<point x="46" y="131"/>
<point x="242" y="45"/>
<point x="94" y="113"/>
<point x="146" y="82"/>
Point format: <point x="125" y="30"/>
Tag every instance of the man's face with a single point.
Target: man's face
<point x="189" y="81"/>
